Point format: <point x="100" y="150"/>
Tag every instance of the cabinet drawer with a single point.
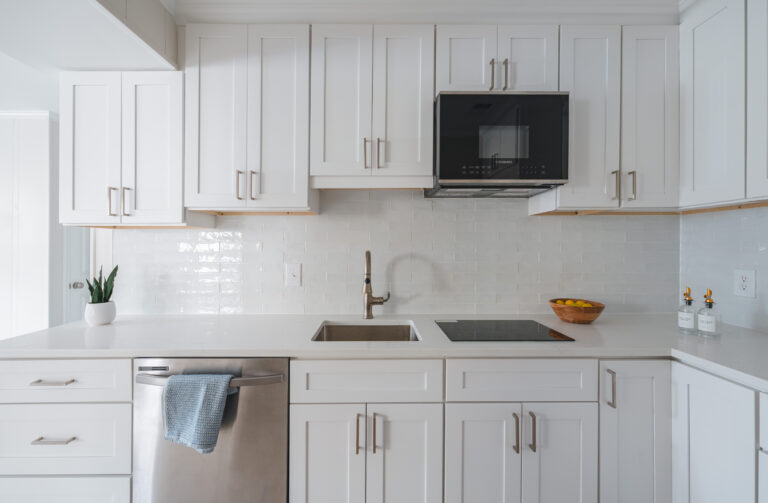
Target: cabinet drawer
<point x="65" y="439"/>
<point x="358" y="381"/>
<point x="521" y="380"/>
<point x="65" y="490"/>
<point x="36" y="381"/>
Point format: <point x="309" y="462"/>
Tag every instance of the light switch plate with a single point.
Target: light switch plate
<point x="744" y="283"/>
<point x="292" y="274"/>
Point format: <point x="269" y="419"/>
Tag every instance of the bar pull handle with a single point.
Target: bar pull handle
<point x="493" y="73"/>
<point x="532" y="445"/>
<point x="40" y="382"/>
<point x="633" y="173"/>
<point x="618" y="184"/>
<point x="612" y="401"/>
<point x="253" y="179"/>
<point x="357" y="434"/>
<point x="506" y="74"/>
<point x="237" y="382"/>
<point x="365" y="153"/>
<point x="45" y="441"/>
<point x="237" y="184"/>
<point x="122" y="201"/>
<point x="374" y="432"/>
<point x="379" y="141"/>
<point x="516" y="447"/>
<point x="109" y="201"/>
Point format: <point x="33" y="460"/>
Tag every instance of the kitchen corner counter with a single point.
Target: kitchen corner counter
<point x="738" y="354"/>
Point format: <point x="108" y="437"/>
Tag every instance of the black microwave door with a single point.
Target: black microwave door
<point x="502" y="137"/>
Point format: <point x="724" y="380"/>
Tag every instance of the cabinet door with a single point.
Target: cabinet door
<point x="215" y="110"/>
<point x="152" y="189"/>
<point x="590" y="69"/>
<point x="341" y="142"/>
<point x="90" y="147"/>
<point x="529" y="56"/>
<point x="466" y="57"/>
<point x="482" y="452"/>
<point x="713" y="435"/>
<point x="278" y="116"/>
<point x="635" y="436"/>
<point x="327" y="453"/>
<point x="403" y="70"/>
<point x="757" y="99"/>
<point x="559" y="453"/>
<point x="712" y="81"/>
<point x="649" y="116"/>
<point x="405" y="453"/>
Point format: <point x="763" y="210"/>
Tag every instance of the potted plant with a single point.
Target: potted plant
<point x="100" y="310"/>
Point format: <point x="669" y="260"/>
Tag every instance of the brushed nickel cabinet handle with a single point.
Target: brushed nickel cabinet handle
<point x="378" y="152"/>
<point x="493" y="73"/>
<point x="532" y="445"/>
<point x="506" y="73"/>
<point x="44" y="441"/>
<point x="109" y="202"/>
<point x="122" y="201"/>
<point x="516" y="447"/>
<point x="40" y="382"/>
<point x="612" y="401"/>
<point x="357" y="434"/>
<point x="251" y="191"/>
<point x="618" y="184"/>
<point x="374" y="433"/>
<point x="365" y="153"/>
<point x="633" y="174"/>
<point x="237" y="184"/>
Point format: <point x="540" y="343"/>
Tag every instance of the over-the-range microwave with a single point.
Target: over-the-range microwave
<point x="499" y="144"/>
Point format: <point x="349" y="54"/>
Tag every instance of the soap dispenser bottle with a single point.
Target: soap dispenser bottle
<point x="686" y="315"/>
<point x="708" y="317"/>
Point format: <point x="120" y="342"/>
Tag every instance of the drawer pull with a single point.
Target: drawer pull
<point x="532" y="445"/>
<point x="516" y="447"/>
<point x="44" y="441"/>
<point x="612" y="401"/>
<point x="40" y="382"/>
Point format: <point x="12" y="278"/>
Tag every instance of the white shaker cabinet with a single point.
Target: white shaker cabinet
<point x="528" y="57"/>
<point x="712" y="93"/>
<point x="650" y="117"/>
<point x="215" y="115"/>
<point x="466" y="57"/>
<point x="757" y="101"/>
<point x="714" y="446"/>
<point x="635" y="431"/>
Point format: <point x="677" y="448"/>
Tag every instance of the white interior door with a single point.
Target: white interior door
<point x="403" y="75"/>
<point x="341" y="142"/>
<point x="327" y="453"/>
<point x="151" y="191"/>
<point x="635" y="431"/>
<point x="757" y="100"/>
<point x="560" y="453"/>
<point x="466" y="57"/>
<point x="483" y="452"/>
<point x="90" y="142"/>
<point x="405" y="453"/>
<point x="529" y="57"/>
<point x="650" y="142"/>
<point x="590" y="69"/>
<point x="215" y="115"/>
<point x="278" y="116"/>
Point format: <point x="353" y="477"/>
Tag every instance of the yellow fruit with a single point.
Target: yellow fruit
<point x="587" y="304"/>
<point x="570" y="303"/>
<point x="560" y="302"/>
<point x="580" y="303"/>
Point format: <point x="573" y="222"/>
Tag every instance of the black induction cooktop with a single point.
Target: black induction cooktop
<point x="499" y="331"/>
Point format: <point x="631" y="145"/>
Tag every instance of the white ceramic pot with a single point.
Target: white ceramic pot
<point x="100" y="314"/>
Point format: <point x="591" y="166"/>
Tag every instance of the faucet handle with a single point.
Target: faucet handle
<point x="384" y="299"/>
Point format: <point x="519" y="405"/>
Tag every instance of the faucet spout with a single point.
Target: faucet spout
<point x="368" y="299"/>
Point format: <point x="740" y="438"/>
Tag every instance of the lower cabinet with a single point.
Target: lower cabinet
<point x="65" y="490"/>
<point x="521" y="452"/>
<point x="374" y="453"/>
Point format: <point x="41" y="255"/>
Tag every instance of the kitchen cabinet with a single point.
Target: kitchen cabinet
<point x="374" y="453"/>
<point x="714" y="447"/>
<point x="65" y="489"/>
<point x="650" y="117"/>
<point x="497" y="58"/>
<point x="762" y="457"/>
<point x="712" y="93"/>
<point x="757" y="100"/>
<point x="371" y="106"/>
<point x="512" y="452"/>
<point x="635" y="431"/>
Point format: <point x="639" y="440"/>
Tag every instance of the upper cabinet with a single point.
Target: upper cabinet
<point x="372" y="89"/>
<point x="757" y="98"/>
<point x="247" y="114"/>
<point x="497" y="58"/>
<point x="712" y="91"/>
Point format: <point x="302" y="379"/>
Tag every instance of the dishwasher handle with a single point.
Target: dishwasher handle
<point x="236" y="382"/>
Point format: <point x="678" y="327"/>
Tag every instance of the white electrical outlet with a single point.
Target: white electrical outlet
<point x="744" y="283"/>
<point x="292" y="274"/>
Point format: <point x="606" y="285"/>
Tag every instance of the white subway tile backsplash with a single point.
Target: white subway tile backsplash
<point x="434" y="255"/>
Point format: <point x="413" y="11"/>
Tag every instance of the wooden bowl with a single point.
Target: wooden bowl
<point x="576" y="314"/>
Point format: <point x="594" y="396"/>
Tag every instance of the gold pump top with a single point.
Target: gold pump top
<point x="708" y="297"/>
<point x="687" y="294"/>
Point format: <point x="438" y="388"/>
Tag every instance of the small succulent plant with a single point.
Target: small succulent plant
<point x="101" y="290"/>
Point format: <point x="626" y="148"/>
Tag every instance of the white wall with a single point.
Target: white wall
<point x="25" y="88"/>
<point x="436" y="256"/>
<point x="712" y="245"/>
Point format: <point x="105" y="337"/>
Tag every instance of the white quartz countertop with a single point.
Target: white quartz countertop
<point x="738" y="354"/>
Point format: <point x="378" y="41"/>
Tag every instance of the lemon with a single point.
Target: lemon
<point x="560" y="302"/>
<point x="570" y="303"/>
<point x="587" y="304"/>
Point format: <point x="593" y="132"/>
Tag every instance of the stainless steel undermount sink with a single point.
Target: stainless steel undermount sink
<point x="366" y="332"/>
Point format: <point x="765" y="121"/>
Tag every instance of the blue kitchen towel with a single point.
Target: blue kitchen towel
<point x="193" y="406"/>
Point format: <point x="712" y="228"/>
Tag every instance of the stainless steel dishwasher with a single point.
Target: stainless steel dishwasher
<point x="250" y="461"/>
